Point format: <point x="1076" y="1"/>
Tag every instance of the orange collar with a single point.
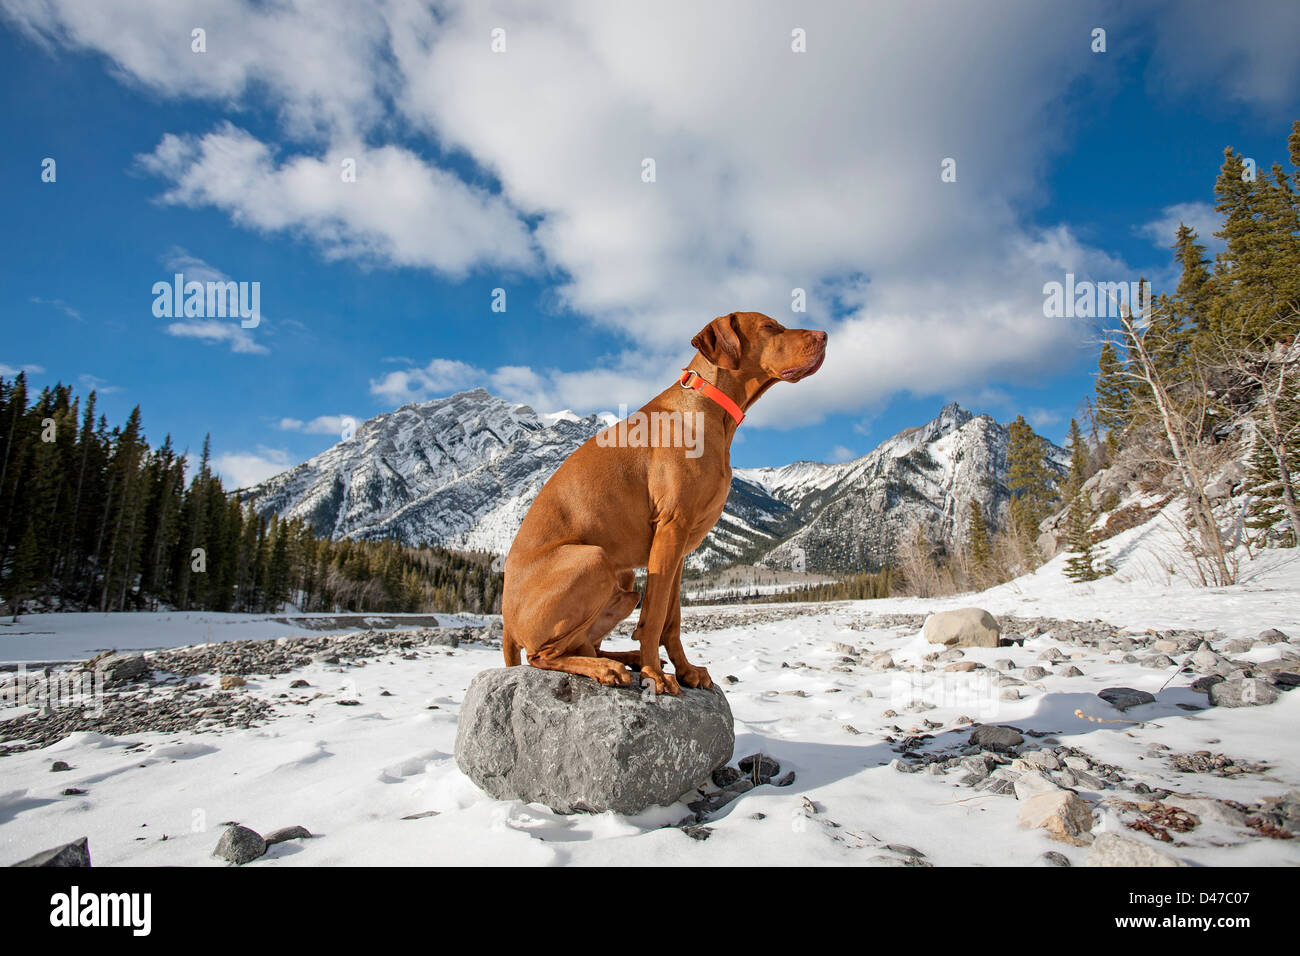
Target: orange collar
<point x="691" y="379"/>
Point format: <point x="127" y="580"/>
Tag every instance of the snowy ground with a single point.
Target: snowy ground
<point x="351" y="774"/>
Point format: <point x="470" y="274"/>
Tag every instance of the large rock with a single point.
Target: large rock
<point x="119" y="667"/>
<point x="1064" y="815"/>
<point x="573" y="744"/>
<point x="1247" y="692"/>
<point x="964" y="627"/>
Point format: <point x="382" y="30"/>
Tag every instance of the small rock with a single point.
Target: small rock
<point x="59" y="766"/>
<point x="231" y="681"/>
<point x="725" y="776"/>
<point x="903" y="849"/>
<point x="1034" y="672"/>
<point x="996" y="738"/>
<point x="1203" y="684"/>
<point x="767" y="767"/>
<point x="240" y="845"/>
<point x="287" y="833"/>
<point x="1271" y="636"/>
<point x="1207" y="809"/>
<point x="1123" y="698"/>
<point x="1043" y="759"/>
<point x="1052" y="858"/>
<point x="1064" y="815"/>
<point x="299" y="683"/>
<point x="1033" y="783"/>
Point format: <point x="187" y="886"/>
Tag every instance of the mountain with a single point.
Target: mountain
<point x="462" y="471"/>
<point x="848" y="516"/>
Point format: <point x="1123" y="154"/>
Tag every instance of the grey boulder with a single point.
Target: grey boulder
<point x="1122" y="698"/>
<point x="574" y="745"/>
<point x="964" y="627"/>
<point x="240" y="845"/>
<point x="76" y="853"/>
<point x="1247" y="692"/>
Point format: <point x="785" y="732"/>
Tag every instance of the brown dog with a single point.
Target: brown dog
<point x="618" y="504"/>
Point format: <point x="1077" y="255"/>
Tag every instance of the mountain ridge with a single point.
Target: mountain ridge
<point x="461" y="471"/>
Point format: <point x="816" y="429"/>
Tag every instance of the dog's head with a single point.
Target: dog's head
<point x="758" y="344"/>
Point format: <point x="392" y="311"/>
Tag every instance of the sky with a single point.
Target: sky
<point x="380" y="169"/>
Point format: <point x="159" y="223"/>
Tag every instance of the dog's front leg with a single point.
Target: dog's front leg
<point x="666" y="553"/>
<point x="687" y="673"/>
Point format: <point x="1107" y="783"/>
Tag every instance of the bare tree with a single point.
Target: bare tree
<point x="916" y="558"/>
<point x="1181" y="420"/>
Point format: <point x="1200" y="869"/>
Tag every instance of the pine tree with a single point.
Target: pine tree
<point x="1078" y="460"/>
<point x="21" y="582"/>
<point x="1113" y="396"/>
<point x="977" y="534"/>
<point x="1080" y="541"/>
<point x="1029" y="479"/>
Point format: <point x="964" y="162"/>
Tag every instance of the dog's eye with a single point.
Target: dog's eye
<point x="772" y="327"/>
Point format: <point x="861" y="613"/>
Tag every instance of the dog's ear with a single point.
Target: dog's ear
<point x="719" y="343"/>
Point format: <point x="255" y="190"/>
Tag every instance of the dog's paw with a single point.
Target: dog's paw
<point x="693" y="676"/>
<point x="663" y="683"/>
<point x="617" y="675"/>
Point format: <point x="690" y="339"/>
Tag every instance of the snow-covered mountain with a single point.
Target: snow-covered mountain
<point x="462" y="471"/>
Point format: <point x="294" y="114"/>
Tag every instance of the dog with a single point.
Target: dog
<point x="617" y="504"/>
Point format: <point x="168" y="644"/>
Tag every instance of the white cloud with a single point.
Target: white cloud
<point x="89" y="381"/>
<point x="1042" y="418"/>
<point x="209" y="331"/>
<point x="216" y="331"/>
<point x="320" y="425"/>
<point x="1201" y="216"/>
<point x="775" y="170"/>
<point x="59" y="304"/>
<point x="840" y="453"/>
<point x="9" y="371"/>
<point x="243" y="469"/>
<point x="400" y="211"/>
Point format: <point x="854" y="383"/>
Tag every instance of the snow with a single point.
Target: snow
<point x="350" y="774"/>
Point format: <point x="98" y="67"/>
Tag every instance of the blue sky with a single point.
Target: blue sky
<point x="522" y="170"/>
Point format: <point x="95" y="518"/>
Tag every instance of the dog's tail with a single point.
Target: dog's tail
<point x="510" y="648"/>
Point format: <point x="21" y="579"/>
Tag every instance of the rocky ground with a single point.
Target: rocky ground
<point x="195" y="689"/>
<point x="826" y="698"/>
